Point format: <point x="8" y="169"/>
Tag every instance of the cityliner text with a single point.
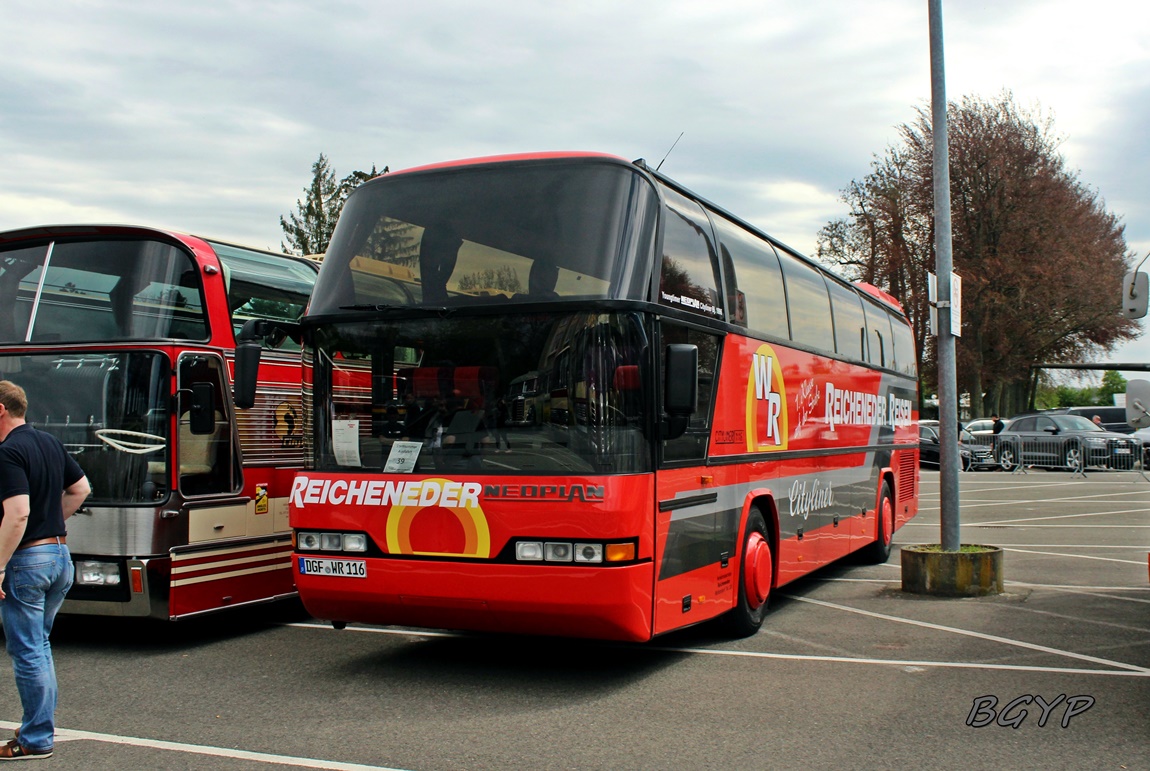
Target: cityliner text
<point x="805" y="502"/>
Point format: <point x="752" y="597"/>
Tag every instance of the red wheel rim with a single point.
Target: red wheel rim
<point x="887" y="521"/>
<point x="757" y="570"/>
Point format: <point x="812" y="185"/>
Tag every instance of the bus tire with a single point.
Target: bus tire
<point x="879" y="551"/>
<point x="756" y="572"/>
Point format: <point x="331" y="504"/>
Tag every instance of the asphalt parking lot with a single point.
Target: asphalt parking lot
<point x="847" y="671"/>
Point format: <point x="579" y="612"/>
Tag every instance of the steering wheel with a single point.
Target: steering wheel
<point x="129" y="441"/>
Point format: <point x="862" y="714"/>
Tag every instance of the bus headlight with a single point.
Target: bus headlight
<point x="354" y="542"/>
<point x="582" y="552"/>
<point x="345" y="542"/>
<point x="557" y="552"/>
<point x="588" y="552"/>
<point x="529" y="551"/>
<point x="92" y="573"/>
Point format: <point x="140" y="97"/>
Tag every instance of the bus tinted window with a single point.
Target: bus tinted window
<point x="904" y="358"/>
<point x="850" y="324"/>
<point x="473" y="236"/>
<point x="19" y="271"/>
<point x="689" y="279"/>
<point x="880" y="344"/>
<point x="102" y="290"/>
<point x="755" y="294"/>
<point x="263" y="285"/>
<point x="542" y="393"/>
<point x="808" y="303"/>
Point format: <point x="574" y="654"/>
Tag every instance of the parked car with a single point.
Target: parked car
<point x="1059" y="440"/>
<point x="1113" y="418"/>
<point x="981" y="427"/>
<point x="972" y="455"/>
<point x="1142" y="436"/>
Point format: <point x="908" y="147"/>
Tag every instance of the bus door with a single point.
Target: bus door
<point x="695" y="529"/>
<point x="208" y="478"/>
<point x="205" y="451"/>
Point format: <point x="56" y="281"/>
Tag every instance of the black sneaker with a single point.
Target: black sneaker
<point x="13" y="750"/>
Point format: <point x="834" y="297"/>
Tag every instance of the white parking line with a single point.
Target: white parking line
<point x="902" y="662"/>
<point x="1090" y="525"/>
<point x="1126" y="670"/>
<point x="1128" y="547"/>
<point x="69" y="735"/>
<point x="1141" y="563"/>
<point x="1064" y="516"/>
<point x="1088" y="591"/>
<point x="980" y="635"/>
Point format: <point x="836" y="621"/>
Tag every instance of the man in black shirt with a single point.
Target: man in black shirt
<point x="41" y="485"/>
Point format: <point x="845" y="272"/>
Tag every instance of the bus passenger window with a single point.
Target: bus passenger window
<point x="850" y="323"/>
<point x="689" y="277"/>
<point x="808" y="303"/>
<point x="880" y="352"/>
<point x="759" y="301"/>
<point x="903" y="338"/>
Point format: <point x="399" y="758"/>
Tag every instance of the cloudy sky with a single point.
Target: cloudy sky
<point x="206" y="117"/>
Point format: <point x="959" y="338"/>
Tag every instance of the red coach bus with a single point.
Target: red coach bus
<point x="590" y="404"/>
<point x="123" y="338"/>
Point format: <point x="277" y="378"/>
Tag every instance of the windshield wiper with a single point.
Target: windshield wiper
<point x="432" y="309"/>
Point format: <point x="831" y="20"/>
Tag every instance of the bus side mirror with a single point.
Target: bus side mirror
<point x="681" y="389"/>
<point x="247" y="368"/>
<point x="1138" y="403"/>
<point x="202" y="415"/>
<point x="1135" y="291"/>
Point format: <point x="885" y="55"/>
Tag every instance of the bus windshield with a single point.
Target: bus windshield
<point x="550" y="393"/>
<point x="111" y="412"/>
<point x="96" y="290"/>
<point x="482" y="234"/>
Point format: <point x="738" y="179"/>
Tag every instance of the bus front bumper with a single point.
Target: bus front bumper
<point x="602" y="602"/>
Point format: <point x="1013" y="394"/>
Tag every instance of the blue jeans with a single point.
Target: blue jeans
<point x="34" y="586"/>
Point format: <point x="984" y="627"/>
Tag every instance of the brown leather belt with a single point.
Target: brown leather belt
<point x="43" y="542"/>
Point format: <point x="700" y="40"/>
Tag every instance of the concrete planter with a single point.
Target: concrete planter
<point x="975" y="571"/>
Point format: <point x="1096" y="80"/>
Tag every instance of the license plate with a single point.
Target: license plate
<point x="309" y="566"/>
<point x="1121" y="450"/>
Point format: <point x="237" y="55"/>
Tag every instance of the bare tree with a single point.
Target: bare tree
<point x="1041" y="259"/>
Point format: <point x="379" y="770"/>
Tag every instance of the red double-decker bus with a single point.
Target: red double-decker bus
<point x="123" y="338"/>
<point x="561" y="394"/>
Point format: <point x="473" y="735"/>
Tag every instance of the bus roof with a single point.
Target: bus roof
<point x="47" y="232"/>
<point x="511" y="158"/>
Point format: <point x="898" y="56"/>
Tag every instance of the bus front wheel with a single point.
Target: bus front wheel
<point x="756" y="572"/>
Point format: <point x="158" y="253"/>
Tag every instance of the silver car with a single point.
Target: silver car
<point x="1063" y="441"/>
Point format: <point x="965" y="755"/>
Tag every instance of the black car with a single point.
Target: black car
<point x="1113" y="418"/>
<point x="1053" y="440"/>
<point x="972" y="454"/>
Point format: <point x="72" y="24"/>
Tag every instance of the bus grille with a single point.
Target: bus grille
<point x="907" y="478"/>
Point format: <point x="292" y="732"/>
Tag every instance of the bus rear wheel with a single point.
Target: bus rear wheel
<point x="756" y="572"/>
<point x="879" y="551"/>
